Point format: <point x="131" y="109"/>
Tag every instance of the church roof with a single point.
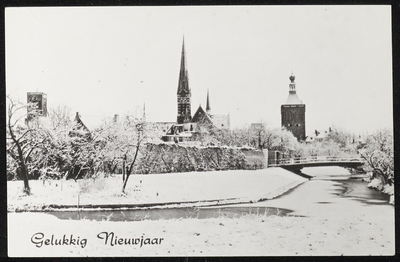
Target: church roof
<point x="293" y="99"/>
<point x="200" y="114"/>
<point x="79" y="125"/>
<point x="218" y="121"/>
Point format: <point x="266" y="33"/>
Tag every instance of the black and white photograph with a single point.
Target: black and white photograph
<point x="199" y="131"/>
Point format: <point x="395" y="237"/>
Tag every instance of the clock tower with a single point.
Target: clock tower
<point x="183" y="94"/>
<point x="293" y="113"/>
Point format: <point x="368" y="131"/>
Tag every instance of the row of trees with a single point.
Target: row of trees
<point x="377" y="150"/>
<point x="337" y="143"/>
<point x="53" y="147"/>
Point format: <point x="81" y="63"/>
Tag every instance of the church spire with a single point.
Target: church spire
<point x="208" y="108"/>
<point x="183" y="74"/>
<point x="183" y="93"/>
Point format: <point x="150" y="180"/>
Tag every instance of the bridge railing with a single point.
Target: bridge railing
<point x="315" y="159"/>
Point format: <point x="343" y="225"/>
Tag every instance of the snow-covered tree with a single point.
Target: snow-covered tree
<point x="378" y="153"/>
<point x="22" y="140"/>
<point x="118" y="143"/>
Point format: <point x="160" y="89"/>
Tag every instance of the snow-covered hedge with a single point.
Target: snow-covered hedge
<point x="167" y="158"/>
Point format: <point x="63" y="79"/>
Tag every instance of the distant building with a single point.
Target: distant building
<point x="79" y="128"/>
<point x="293" y="113"/>
<point x="206" y="118"/>
<point x="186" y="126"/>
<point x="188" y="131"/>
<point x="319" y="135"/>
<point x="37" y="104"/>
<point x="163" y="126"/>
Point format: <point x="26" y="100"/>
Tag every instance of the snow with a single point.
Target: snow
<point x="376" y="183"/>
<point x="245" y="236"/>
<point x="355" y="231"/>
<point x="241" y="185"/>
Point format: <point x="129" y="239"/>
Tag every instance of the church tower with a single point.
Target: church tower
<point x="293" y="113"/>
<point x="183" y="93"/>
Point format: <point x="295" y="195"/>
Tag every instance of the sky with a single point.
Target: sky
<point x="101" y="61"/>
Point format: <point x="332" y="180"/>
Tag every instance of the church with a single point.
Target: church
<point x="187" y="127"/>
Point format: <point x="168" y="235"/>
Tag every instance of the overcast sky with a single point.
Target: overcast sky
<point x="111" y="60"/>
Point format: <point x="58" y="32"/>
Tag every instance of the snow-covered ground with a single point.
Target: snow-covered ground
<point x="241" y="185"/>
<point x="246" y="236"/>
<point x="33" y="234"/>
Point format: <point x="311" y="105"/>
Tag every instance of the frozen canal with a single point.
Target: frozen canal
<point x="332" y="198"/>
<point x="331" y="193"/>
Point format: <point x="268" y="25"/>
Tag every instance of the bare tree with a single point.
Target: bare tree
<point x="60" y="116"/>
<point x="120" y="142"/>
<point x="21" y="141"/>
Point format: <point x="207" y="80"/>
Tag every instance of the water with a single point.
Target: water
<point x="331" y="193"/>
<point x="357" y="190"/>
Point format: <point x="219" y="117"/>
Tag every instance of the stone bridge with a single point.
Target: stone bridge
<point x="296" y="164"/>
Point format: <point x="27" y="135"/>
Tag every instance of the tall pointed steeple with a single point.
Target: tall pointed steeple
<point x="183" y="92"/>
<point x="208" y="108"/>
<point x="183" y="84"/>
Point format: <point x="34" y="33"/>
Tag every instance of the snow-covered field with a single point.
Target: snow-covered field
<point x="242" y="185"/>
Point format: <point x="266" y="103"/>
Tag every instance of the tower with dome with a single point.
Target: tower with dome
<point x="293" y="113"/>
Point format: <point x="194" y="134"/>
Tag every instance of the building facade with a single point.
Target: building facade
<point x="38" y="104"/>
<point x="293" y="113"/>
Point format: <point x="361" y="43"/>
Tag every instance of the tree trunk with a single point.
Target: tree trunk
<point x="22" y="165"/>
<point x="123" y="171"/>
<point x="125" y="182"/>
<point x="129" y="171"/>
<point x="77" y="174"/>
<point x="24" y="173"/>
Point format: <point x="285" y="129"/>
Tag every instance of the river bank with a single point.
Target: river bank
<point x="195" y="188"/>
<point x="377" y="184"/>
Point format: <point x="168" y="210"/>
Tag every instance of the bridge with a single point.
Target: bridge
<point x="296" y="164"/>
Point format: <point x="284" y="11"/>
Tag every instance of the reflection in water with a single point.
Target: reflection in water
<point x="357" y="189"/>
